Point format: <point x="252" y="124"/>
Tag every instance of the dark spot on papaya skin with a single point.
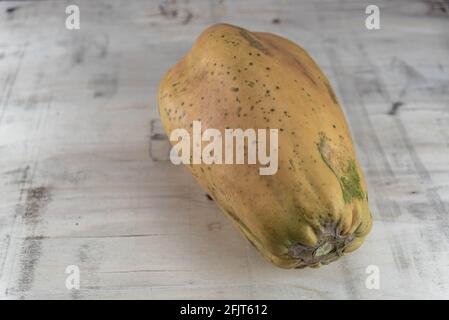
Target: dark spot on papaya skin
<point x="253" y="42"/>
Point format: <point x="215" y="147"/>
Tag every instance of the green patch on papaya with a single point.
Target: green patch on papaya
<point x="350" y="183"/>
<point x="348" y="176"/>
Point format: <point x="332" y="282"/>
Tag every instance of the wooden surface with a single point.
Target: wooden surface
<point x="85" y="181"/>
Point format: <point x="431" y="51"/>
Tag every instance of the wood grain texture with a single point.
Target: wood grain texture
<point x="84" y="176"/>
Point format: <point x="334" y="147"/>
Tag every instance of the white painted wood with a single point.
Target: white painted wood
<point x="78" y="185"/>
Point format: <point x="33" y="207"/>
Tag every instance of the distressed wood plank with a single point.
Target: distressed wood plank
<point x="79" y="184"/>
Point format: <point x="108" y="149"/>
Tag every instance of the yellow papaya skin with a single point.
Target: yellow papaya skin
<point x="315" y="208"/>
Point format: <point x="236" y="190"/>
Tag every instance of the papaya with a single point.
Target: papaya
<point x="314" y="209"/>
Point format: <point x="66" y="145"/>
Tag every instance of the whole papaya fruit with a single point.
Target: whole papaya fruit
<point x="314" y="209"/>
